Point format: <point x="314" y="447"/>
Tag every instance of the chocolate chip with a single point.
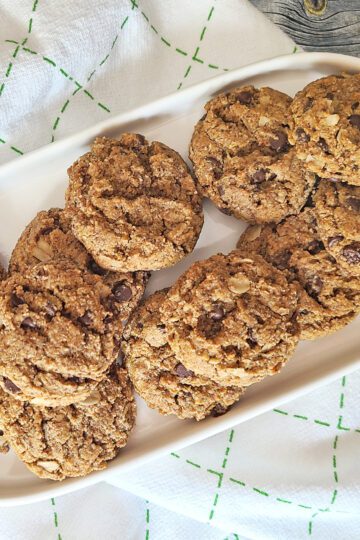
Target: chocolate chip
<point x="219" y="410"/>
<point x="75" y="380"/>
<point x="258" y="177"/>
<point x="217" y="313"/>
<point x="330" y="95"/>
<point x="203" y="117"/>
<point x="50" y="309"/>
<point x="308" y="104"/>
<point x="182" y="372"/>
<point x="301" y="135"/>
<point x="15" y="300"/>
<point x="333" y="240"/>
<point x="323" y="145"/>
<point x="245" y="98"/>
<point x="280" y="143"/>
<point x="354" y="120"/>
<point x="10" y="386"/>
<point x="282" y="259"/>
<point x="217" y="167"/>
<point x="28" y="324"/>
<point x="315" y="247"/>
<point x="354" y="105"/>
<point x="225" y="211"/>
<point x="221" y="191"/>
<point x="95" y="268"/>
<point x="353" y="203"/>
<point x="122" y="292"/>
<point x="207" y="326"/>
<point x="251" y="340"/>
<point x="351" y="253"/>
<point x="86" y="319"/>
<point x="314" y="285"/>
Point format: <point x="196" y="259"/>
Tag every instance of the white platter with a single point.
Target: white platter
<point x="37" y="181"/>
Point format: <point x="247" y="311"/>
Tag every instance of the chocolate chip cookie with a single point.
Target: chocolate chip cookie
<point x="242" y="159"/>
<point x="133" y="204"/>
<point x="160" y="378"/>
<point x="337" y="209"/>
<point x="325" y="127"/>
<point x="231" y="318"/>
<point x="58" y="333"/>
<point x="329" y="296"/>
<point x="49" y="237"/>
<point x="62" y="442"/>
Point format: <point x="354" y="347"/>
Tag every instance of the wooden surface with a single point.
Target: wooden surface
<point x="317" y="25"/>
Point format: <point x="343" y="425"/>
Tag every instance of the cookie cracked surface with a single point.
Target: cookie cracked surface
<point x="160" y="378"/>
<point x="329" y="296"/>
<point x="242" y="159"/>
<point x="231" y="318"/>
<point x="133" y="204"/>
<point x="58" y="333"/>
<point x="62" y="442"/>
<point x="337" y="209"/>
<point x="325" y="127"/>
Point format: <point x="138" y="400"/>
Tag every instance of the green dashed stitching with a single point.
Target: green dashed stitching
<point x="295" y="49"/>
<point x="220" y="475"/>
<point x="334" y="459"/>
<point x="56" y="519"/>
<point x="195" y="57"/>
<point x="261" y="492"/>
<point x="13" y="148"/>
<point x="175" y="455"/>
<point x="193" y="464"/>
<point x="147" y="532"/>
<point x="320" y="422"/>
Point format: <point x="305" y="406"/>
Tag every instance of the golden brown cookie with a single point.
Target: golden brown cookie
<point x="160" y="378"/>
<point x="133" y="204"/>
<point x="329" y="296"/>
<point x="48" y="237"/>
<point x="337" y="209"/>
<point x="231" y="318"/>
<point x="242" y="159"/>
<point x="326" y="127"/>
<point x="63" y="442"/>
<point x="58" y="333"/>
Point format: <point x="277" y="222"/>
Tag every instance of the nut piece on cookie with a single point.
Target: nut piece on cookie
<point x="325" y="127"/>
<point x="231" y="318"/>
<point x="133" y="204"/>
<point x="58" y="333"/>
<point x="158" y="375"/>
<point x="329" y="295"/>
<point x="337" y="209"/>
<point x="242" y="159"/>
<point x="64" y="442"/>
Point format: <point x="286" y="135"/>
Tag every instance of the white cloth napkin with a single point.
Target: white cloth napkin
<point x="291" y="473"/>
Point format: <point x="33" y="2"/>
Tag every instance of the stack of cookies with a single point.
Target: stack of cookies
<point x="75" y="333"/>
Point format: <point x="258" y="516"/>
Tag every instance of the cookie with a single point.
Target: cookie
<point x="231" y="318"/>
<point x="242" y="159"/>
<point x="337" y="209"/>
<point x="48" y="236"/>
<point x="325" y="127"/>
<point x="160" y="378"/>
<point x="63" y="442"/>
<point x="58" y="333"/>
<point x="133" y="204"/>
<point x="329" y="296"/>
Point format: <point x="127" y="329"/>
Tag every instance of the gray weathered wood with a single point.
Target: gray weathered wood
<point x="337" y="29"/>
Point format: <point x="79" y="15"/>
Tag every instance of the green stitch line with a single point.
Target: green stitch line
<point x="65" y="106"/>
<point x="103" y="61"/>
<point x="88" y="94"/>
<point x="295" y="49"/>
<point x="56" y="519"/>
<point x="16" y="51"/>
<point x="181" y="52"/>
<point x="202" y="33"/>
<point x="280" y="412"/>
<point x="17" y="150"/>
<point x="237" y="482"/>
<point x="340" y="426"/>
<point x="175" y="455"/>
<point x="56" y="123"/>
<point x="195" y="58"/>
<point x="154" y="29"/>
<point x="145" y="16"/>
<point x="35" y="5"/>
<point x="220" y="475"/>
<point x="124" y="22"/>
<point x="210" y="14"/>
<point x="8" y="71"/>
<point x="46" y="59"/>
<point x="26" y="49"/>
<point x="165" y="41"/>
<point x="147" y="532"/>
<point x="321" y="423"/>
<point x="102" y="106"/>
<point x="261" y="492"/>
<point x="30" y="26"/>
<point x="63" y="72"/>
<point x="192" y="463"/>
<point x="283" y="500"/>
<point x="212" y="66"/>
<point x="11" y="41"/>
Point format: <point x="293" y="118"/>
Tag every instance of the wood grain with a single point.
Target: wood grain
<point x="336" y="28"/>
